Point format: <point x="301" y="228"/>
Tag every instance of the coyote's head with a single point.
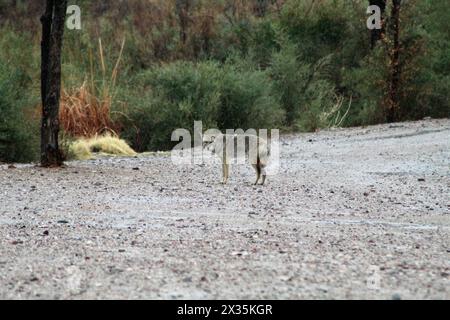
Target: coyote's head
<point x="208" y="142"/>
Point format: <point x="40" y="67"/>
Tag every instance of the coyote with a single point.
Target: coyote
<point x="239" y="147"/>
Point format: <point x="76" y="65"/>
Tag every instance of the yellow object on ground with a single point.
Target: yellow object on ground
<point x="83" y="149"/>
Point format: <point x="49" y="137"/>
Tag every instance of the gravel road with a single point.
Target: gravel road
<point x="361" y="213"/>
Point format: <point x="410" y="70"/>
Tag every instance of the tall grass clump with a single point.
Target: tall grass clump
<point x="86" y="111"/>
<point x="109" y="144"/>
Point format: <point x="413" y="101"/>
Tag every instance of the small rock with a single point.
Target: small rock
<point x="421" y="180"/>
<point x="45" y="233"/>
<point x="396" y="296"/>
<point x="239" y="253"/>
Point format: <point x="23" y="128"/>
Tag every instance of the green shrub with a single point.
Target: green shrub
<point x="247" y="100"/>
<point x="320" y="27"/>
<point x="366" y="84"/>
<point x="306" y="94"/>
<point x="429" y="93"/>
<point x="18" y="131"/>
<point x="175" y="95"/>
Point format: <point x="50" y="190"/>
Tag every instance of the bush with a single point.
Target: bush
<point x="320" y="27"/>
<point x="18" y="128"/>
<point x="366" y="85"/>
<point x="247" y="100"/>
<point x="431" y="78"/>
<point x="175" y="95"/>
<point x="169" y="97"/>
<point x="305" y="93"/>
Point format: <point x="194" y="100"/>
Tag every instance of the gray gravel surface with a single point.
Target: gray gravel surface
<point x="361" y="213"/>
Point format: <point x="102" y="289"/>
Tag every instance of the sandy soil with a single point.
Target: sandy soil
<point x="353" y="213"/>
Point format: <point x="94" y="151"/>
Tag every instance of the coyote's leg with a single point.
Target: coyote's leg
<point x="225" y="171"/>
<point x="258" y="172"/>
<point x="264" y="174"/>
<point x="227" y="167"/>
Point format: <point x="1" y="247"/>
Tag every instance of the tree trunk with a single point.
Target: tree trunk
<point x="394" y="56"/>
<point x="182" y="8"/>
<point x="53" y="22"/>
<point x="260" y="8"/>
<point x="377" y="34"/>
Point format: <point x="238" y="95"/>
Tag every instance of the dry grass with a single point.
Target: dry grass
<point x="336" y="115"/>
<point x="84" y="148"/>
<point x="86" y="111"/>
<point x="84" y="115"/>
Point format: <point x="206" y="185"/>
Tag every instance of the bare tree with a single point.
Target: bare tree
<point x="393" y="104"/>
<point x="260" y="7"/>
<point x="182" y="9"/>
<point x="53" y="22"/>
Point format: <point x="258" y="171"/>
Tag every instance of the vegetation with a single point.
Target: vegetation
<point x="19" y="135"/>
<point x="142" y="68"/>
<point x="83" y="149"/>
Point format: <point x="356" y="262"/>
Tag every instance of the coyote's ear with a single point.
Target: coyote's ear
<point x="208" y="145"/>
<point x="211" y="135"/>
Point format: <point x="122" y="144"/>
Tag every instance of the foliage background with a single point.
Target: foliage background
<point x="142" y="68"/>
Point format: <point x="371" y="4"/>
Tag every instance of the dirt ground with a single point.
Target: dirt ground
<point x="361" y="213"/>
